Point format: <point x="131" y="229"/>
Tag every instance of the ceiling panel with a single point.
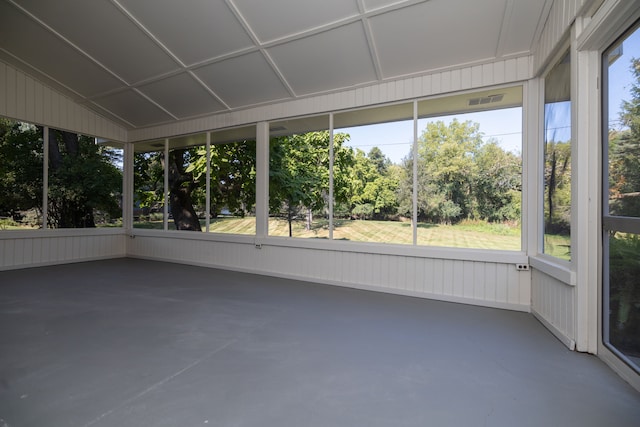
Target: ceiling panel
<point x="275" y="19"/>
<point x="29" y="41"/>
<point x="377" y="4"/>
<point x="194" y="30"/>
<point x="182" y="96"/>
<point x="133" y="107"/>
<point x="435" y="34"/>
<point x="147" y="62"/>
<point x="521" y="25"/>
<point x="105" y="38"/>
<point x="334" y="59"/>
<point x="244" y="80"/>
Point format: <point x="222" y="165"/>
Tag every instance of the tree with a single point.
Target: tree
<point x="299" y="173"/>
<point x="84" y="181"/>
<point x="21" y="166"/>
<point x="557" y="176"/>
<point x="624" y="154"/>
<point x="232" y="171"/>
<point x="460" y="176"/>
<point x="373" y="188"/>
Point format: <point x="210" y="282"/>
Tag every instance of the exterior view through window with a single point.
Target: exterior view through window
<point x="85" y="182"/>
<point x="226" y="181"/>
<point x="467" y="190"/>
<point x="557" y="160"/>
<point x="84" y="179"/>
<point x="21" y="170"/>
<point x="621" y="207"/>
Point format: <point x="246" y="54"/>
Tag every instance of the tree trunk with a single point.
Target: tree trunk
<point x="65" y="213"/>
<point x="181" y="185"/>
<point x="309" y="219"/>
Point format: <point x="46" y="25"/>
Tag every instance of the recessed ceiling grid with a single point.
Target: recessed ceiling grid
<point x="144" y="63"/>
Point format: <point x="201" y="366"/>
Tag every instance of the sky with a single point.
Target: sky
<point x="395" y="139"/>
<point x="621" y="79"/>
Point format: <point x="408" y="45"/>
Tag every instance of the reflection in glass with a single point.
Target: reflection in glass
<point x="85" y="182"/>
<point x="148" y="186"/>
<point x="21" y="163"/>
<point x="557" y="160"/>
<point x="621" y="205"/>
<point x="624" y="294"/>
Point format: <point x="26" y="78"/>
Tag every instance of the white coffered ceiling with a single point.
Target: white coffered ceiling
<point x="148" y="62"/>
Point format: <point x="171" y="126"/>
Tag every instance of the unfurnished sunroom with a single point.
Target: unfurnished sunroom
<point x="482" y="153"/>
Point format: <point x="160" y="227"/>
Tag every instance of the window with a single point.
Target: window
<point x="186" y="182"/>
<point x="85" y="182"/>
<point x="621" y="201"/>
<point x="233" y="181"/>
<point x="21" y="170"/>
<point x="470" y="170"/>
<point x="373" y="175"/>
<point x="148" y="185"/>
<point x="299" y="177"/>
<point x="557" y="160"/>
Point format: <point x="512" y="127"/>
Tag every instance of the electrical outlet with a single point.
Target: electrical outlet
<point x="522" y="267"/>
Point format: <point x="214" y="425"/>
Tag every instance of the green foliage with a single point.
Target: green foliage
<point x="624" y="155"/>
<point x="557" y="189"/>
<point x="299" y="173"/>
<point x="461" y="177"/>
<point x="624" y="302"/>
<point x="21" y="166"/>
<point x="84" y="181"/>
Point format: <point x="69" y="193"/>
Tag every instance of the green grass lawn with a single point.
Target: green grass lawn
<point x="479" y="235"/>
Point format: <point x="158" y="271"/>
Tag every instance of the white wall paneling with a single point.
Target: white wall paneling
<point x="24" y="98"/>
<point x="19" y="249"/>
<point x="553" y="303"/>
<point x="477" y="281"/>
<point x="561" y="16"/>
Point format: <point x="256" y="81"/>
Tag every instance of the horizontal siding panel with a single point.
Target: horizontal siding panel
<point x="553" y="301"/>
<point x="34" y="250"/>
<point x="472" y="282"/>
<point x="25" y="98"/>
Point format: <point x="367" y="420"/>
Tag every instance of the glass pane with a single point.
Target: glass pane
<point x="299" y="178"/>
<point x="148" y="185"/>
<point x="623" y="125"/>
<point x="470" y="171"/>
<point x="233" y="181"/>
<point x="622" y="167"/>
<point x="85" y="182"/>
<point x="373" y="175"/>
<point x="21" y="166"/>
<point x="187" y="172"/>
<point x="557" y="160"/>
<point x="624" y="294"/>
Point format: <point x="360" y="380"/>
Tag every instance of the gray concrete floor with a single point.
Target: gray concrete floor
<point x="140" y="343"/>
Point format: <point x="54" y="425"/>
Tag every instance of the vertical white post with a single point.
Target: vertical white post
<point x="532" y="161"/>
<point x="207" y="210"/>
<point x="414" y="213"/>
<point x="331" y="154"/>
<point x="262" y="179"/>
<point x="127" y="187"/>
<point x="45" y="176"/>
<point x="165" y="220"/>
